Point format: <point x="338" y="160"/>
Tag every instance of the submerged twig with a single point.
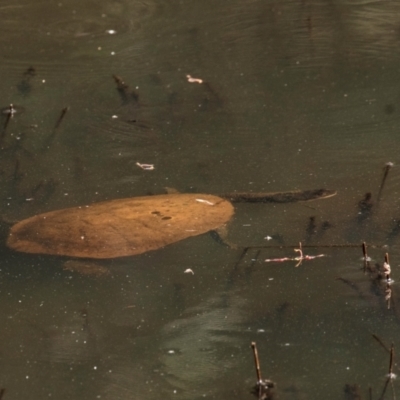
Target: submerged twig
<point x="386" y="170"/>
<point x="61" y="117"/>
<point x="391" y="360"/>
<point x="123" y="90"/>
<point x="10" y="111"/>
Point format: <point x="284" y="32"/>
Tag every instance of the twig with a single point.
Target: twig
<point x="299" y="258"/>
<point x="61" y="117"/>
<point x="263" y="388"/>
<point x="364" y="249"/>
<point x="380" y="342"/>
<point x="386" y="170"/>
<point x="256" y="361"/>
<point x="391" y="360"/>
<point x="10" y="111"/>
<point x="386" y="268"/>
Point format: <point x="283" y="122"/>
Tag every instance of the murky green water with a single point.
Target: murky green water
<point x="297" y="95"/>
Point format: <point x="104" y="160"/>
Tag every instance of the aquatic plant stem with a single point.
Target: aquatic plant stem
<point x="256" y="361"/>
<point x="386" y="170"/>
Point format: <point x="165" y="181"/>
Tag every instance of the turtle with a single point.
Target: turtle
<point x="130" y="226"/>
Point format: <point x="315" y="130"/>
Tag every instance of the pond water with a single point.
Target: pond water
<point x="296" y="95"/>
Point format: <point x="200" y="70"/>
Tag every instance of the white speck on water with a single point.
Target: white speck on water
<point x="188" y="271"/>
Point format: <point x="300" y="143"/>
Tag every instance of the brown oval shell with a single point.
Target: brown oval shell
<point x="121" y="227"/>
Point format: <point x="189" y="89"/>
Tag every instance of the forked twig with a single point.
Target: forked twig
<point x="299" y="258"/>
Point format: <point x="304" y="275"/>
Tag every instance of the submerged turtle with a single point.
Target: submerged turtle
<point x="132" y="226"/>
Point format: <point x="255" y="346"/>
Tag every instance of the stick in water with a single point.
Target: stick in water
<point x="256" y="361"/>
<point x="391" y="376"/>
<point x="364" y="249"/>
<point x="386" y="169"/>
<point x="61" y="117"/>
<point x="10" y="111"/>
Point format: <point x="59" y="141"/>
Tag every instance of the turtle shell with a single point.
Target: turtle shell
<point x="122" y="227"/>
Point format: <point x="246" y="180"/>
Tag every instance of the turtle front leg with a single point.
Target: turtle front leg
<point x="220" y="235"/>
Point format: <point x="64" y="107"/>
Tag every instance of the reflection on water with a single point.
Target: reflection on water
<point x="296" y="95"/>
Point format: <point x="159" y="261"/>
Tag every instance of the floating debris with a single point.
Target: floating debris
<point x="188" y="271"/>
<point x="146" y="167"/>
<point x="299" y="258"/>
<point x="194" y="80"/>
<point x="11" y="110"/>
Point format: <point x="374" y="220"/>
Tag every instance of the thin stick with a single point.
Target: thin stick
<point x="242" y="255"/>
<point x="386" y="170"/>
<point x="10" y="113"/>
<point x="384" y="389"/>
<point x="364" y="249"/>
<point x="123" y="88"/>
<point x="391" y="361"/>
<point x="256" y="361"/>
<point x="386" y="267"/>
<point x="380" y="342"/>
<point x="56" y="126"/>
<point x="2" y="391"/>
<point x="61" y="117"/>
<point x="388" y="295"/>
